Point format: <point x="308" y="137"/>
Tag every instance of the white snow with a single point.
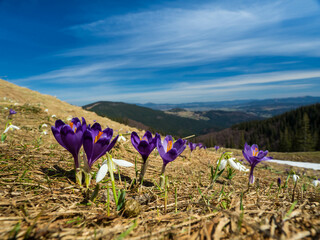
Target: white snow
<point x="315" y="166"/>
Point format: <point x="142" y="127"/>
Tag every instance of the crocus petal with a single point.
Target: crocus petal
<point x="98" y="150"/>
<point x="69" y="140"/>
<point x="111" y="145"/>
<point x="57" y="136"/>
<point x="108" y="133"/>
<point x="179" y="145"/>
<point x="244" y="152"/>
<point x="88" y="143"/>
<point x="144" y="149"/>
<point x="135" y="140"/>
<point x="262" y="154"/>
<point x="122" y="163"/>
<point x="102" y="172"/>
<point x="145" y="145"/>
<point x="96" y="126"/>
<point x="148" y="136"/>
<point x="170" y="156"/>
<point x="160" y="148"/>
<point x="58" y="124"/>
<point x="166" y="140"/>
<point x="101" y="147"/>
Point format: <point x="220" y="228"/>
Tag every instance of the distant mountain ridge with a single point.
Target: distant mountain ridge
<point x="165" y="123"/>
<point x="262" y="108"/>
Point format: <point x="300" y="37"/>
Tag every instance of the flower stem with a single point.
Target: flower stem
<point x="165" y="194"/>
<point x="109" y="158"/>
<point x="108" y="200"/>
<point x="143" y="170"/>
<point x="215" y="174"/>
<point x="162" y="176"/>
<point x="78" y="174"/>
<point x="87" y="179"/>
<point x="294" y="190"/>
<point x="175" y="200"/>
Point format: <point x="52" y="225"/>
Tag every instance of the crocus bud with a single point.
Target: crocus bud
<point x="279" y="182"/>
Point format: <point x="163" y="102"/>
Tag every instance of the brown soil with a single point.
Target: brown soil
<point x="40" y="200"/>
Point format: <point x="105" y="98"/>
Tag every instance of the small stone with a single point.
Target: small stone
<point x="132" y="208"/>
<point x="145" y="199"/>
<point x="104" y="196"/>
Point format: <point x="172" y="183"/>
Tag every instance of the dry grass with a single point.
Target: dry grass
<point x="39" y="199"/>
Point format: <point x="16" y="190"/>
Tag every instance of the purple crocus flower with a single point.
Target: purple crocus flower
<point x="216" y="147"/>
<point x="70" y="136"/>
<point x="168" y="150"/>
<point x="192" y="146"/>
<point x="144" y="145"/>
<point x="253" y="157"/>
<point x="11" y="112"/>
<point x="200" y="145"/>
<point x="97" y="142"/>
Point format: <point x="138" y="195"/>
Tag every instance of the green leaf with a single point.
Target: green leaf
<point x="3" y="137"/>
<point x="121" y="199"/>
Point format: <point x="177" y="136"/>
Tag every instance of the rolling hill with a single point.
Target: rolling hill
<point x="168" y="123"/>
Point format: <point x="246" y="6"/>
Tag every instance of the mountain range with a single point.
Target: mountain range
<point x="263" y="108"/>
<point x="181" y="120"/>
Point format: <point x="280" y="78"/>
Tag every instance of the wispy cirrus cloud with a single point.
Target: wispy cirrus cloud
<point x="240" y="87"/>
<point x="228" y="49"/>
<point x="209" y="32"/>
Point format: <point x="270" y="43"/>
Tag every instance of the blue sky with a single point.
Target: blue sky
<point x="161" y="51"/>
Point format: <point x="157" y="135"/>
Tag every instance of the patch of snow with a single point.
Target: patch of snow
<point x="315" y="166"/>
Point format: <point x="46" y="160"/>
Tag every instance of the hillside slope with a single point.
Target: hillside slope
<point x="18" y="96"/>
<point x="39" y="198"/>
<point x="293" y="131"/>
<point x="177" y="122"/>
<point x="152" y="119"/>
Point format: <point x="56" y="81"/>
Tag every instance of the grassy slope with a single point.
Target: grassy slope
<point x="39" y="199"/>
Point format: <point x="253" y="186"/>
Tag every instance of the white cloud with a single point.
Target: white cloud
<point x="206" y="33"/>
<point x="257" y="86"/>
<point x="139" y="47"/>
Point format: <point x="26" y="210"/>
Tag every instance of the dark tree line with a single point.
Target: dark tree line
<point x="294" y="131"/>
